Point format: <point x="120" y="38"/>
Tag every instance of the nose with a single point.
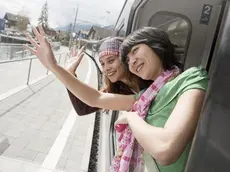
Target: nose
<point x="107" y="67"/>
<point x="132" y="64"/>
<point x="132" y="61"/>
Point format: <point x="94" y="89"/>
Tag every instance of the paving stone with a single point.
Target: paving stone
<point x="5" y="127"/>
<point x="27" y="154"/>
<point x="61" y="164"/>
<point x="66" y="151"/>
<point x="36" y="143"/>
<point x="10" y="165"/>
<point x="40" y="157"/>
<point x="22" y="141"/>
<point x="14" y="132"/>
<point x="12" y="151"/>
<point x="7" y="139"/>
<point x="3" y="147"/>
<point x="72" y="166"/>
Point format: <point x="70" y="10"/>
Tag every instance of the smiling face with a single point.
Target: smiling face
<point x="112" y="68"/>
<point x="144" y="62"/>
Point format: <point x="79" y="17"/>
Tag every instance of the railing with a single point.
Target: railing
<point x="16" y="74"/>
<point x="17" y="51"/>
<point x="59" y="55"/>
<point x="13" y="51"/>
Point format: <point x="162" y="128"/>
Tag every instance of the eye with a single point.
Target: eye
<point x="127" y="60"/>
<point x="111" y="61"/>
<point x="102" y="64"/>
<point x="135" y="50"/>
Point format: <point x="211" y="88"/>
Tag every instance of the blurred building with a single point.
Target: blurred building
<point x="98" y="33"/>
<point x="16" y="22"/>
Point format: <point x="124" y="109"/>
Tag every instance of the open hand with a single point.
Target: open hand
<point x="42" y="50"/>
<point x="73" y="63"/>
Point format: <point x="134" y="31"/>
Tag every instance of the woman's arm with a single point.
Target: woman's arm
<point x="91" y="96"/>
<point x="84" y="92"/>
<point x="80" y="107"/>
<point x="166" y="144"/>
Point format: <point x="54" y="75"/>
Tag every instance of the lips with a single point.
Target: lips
<point x="139" y="67"/>
<point x="111" y="73"/>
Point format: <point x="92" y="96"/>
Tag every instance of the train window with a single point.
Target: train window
<point x="121" y="24"/>
<point x="121" y="30"/>
<point x="178" y="28"/>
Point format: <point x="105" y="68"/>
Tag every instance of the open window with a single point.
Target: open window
<point x="177" y="27"/>
<point x="121" y="30"/>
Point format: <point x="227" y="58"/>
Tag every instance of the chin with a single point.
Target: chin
<point x="145" y="77"/>
<point x="142" y="76"/>
<point x="113" y="80"/>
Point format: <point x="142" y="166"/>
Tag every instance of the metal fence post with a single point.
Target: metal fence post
<point x="28" y="77"/>
<point x="11" y="52"/>
<point x="65" y="59"/>
<point x="7" y="54"/>
<point x="1" y="49"/>
<point x="59" y="61"/>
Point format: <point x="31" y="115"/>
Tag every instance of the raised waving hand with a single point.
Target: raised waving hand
<point x="42" y="49"/>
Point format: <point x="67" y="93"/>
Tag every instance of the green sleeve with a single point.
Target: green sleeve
<point x="197" y="80"/>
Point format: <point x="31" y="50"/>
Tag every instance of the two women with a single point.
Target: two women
<point x="118" y="79"/>
<point x="164" y="115"/>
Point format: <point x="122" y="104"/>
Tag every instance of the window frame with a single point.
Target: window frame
<point x="182" y="17"/>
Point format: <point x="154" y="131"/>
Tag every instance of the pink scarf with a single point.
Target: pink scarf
<point x="129" y="156"/>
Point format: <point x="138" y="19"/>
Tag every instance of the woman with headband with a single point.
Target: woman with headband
<point x="117" y="78"/>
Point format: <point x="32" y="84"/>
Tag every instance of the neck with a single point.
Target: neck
<point x="160" y="71"/>
<point x="130" y="85"/>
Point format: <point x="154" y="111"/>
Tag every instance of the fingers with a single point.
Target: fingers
<point x="80" y="58"/>
<point x="30" y="49"/>
<point x="43" y="34"/>
<point x="74" y="51"/>
<point x="41" y="30"/>
<point x="80" y="53"/>
<point x="82" y="49"/>
<point x="37" y="34"/>
<point x="32" y="40"/>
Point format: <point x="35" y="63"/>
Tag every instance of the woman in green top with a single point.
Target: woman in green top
<point x="173" y="115"/>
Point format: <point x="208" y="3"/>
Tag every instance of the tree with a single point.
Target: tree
<point x="23" y="19"/>
<point x="22" y="23"/>
<point x="43" y="19"/>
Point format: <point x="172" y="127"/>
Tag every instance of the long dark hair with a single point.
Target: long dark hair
<point x="156" y="39"/>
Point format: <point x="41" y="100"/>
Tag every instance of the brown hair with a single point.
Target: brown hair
<point x="120" y="87"/>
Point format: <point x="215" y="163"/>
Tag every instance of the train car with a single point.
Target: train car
<point x="200" y="30"/>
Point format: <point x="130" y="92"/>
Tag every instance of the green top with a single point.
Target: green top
<point x="164" y="103"/>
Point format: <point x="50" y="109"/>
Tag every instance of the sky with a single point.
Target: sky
<point x="62" y="12"/>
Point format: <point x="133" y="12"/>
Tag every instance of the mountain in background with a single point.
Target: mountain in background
<point x="109" y="27"/>
<point x="81" y="26"/>
<point x="78" y="26"/>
